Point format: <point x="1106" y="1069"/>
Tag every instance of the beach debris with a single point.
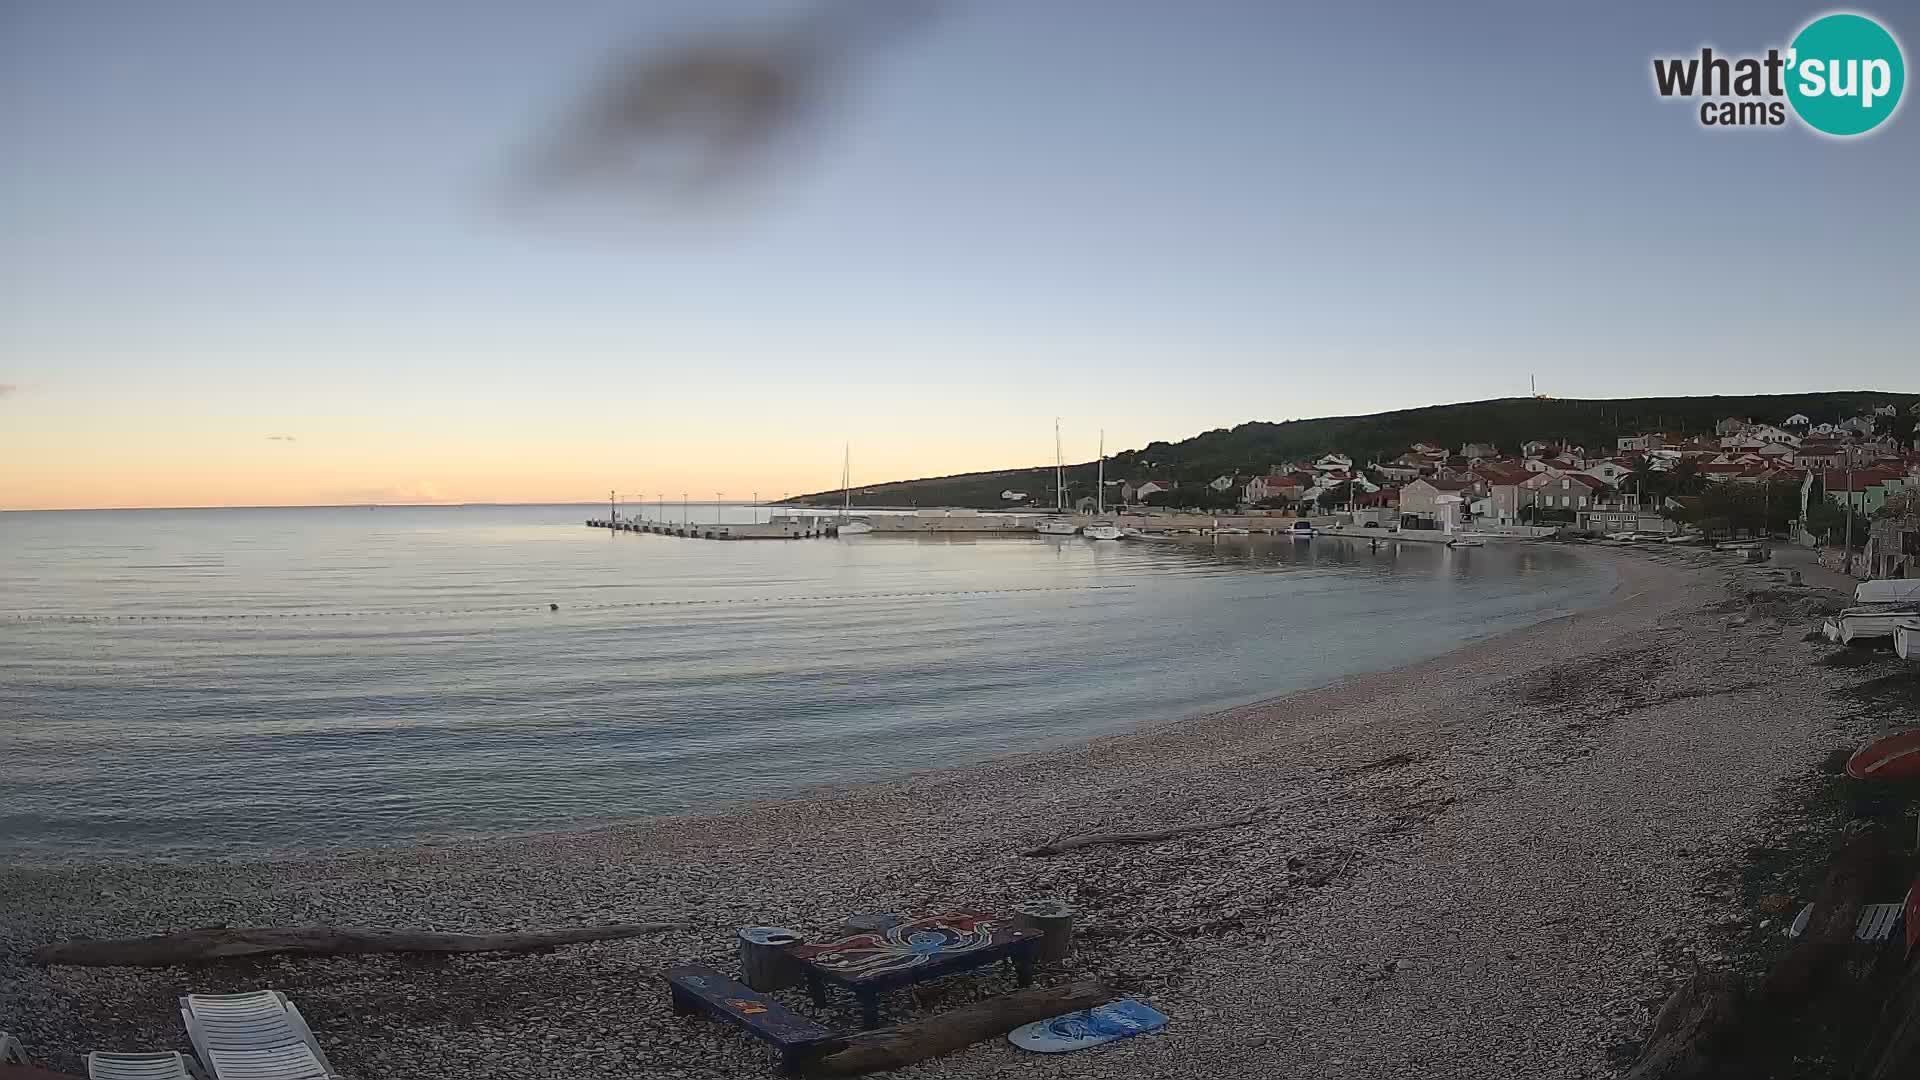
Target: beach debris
<point x="1716" y="1024"/>
<point x="1068" y="843"/>
<point x="943" y="1033"/>
<point x="216" y="943"/>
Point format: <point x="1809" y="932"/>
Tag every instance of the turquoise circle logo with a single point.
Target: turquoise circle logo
<point x="1845" y="74"/>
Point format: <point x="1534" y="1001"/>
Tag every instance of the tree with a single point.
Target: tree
<point x="1898" y="427"/>
<point x="1827" y="520"/>
<point x="1336" y="495"/>
<point x="1643" y="481"/>
<point x="1685" y="478"/>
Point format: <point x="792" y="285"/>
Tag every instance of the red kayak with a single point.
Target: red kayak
<point x="1896" y="757"/>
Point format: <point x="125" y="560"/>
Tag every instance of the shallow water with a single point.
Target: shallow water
<point x="247" y="681"/>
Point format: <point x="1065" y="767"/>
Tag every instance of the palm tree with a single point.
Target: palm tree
<point x="1644" y="480"/>
<point x="1685" y="479"/>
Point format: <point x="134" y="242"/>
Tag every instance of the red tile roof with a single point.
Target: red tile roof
<point x="1836" y="479"/>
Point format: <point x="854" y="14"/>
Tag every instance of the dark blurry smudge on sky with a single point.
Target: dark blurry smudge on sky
<point x="702" y="116"/>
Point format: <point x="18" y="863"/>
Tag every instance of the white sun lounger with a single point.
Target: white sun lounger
<point x="10" y="1051"/>
<point x="257" y="1036"/>
<point x="169" y="1065"/>
<point x="1876" y="922"/>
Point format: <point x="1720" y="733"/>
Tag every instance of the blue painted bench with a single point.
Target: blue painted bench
<point x="702" y="989"/>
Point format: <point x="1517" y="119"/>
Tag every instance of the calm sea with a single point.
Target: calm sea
<point x="252" y="681"/>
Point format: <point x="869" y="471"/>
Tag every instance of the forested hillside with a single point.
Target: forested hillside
<point x="1254" y="447"/>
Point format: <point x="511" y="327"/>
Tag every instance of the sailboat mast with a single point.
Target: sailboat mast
<point x="846" y="480"/>
<point x="1100" y="485"/>
<point x="1059" y="471"/>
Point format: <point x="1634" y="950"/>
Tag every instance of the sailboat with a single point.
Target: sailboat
<point x="1058" y="525"/>
<point x="847" y="527"/>
<point x="1097" y="529"/>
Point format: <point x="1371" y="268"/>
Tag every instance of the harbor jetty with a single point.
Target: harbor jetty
<point x="782" y="528"/>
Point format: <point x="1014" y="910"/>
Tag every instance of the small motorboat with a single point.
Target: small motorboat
<point x="1232" y="530"/>
<point x="1906" y="639"/>
<point x="1466" y="541"/>
<point x="1867" y="622"/>
<point x="1056" y="526"/>
<point x="854" y="528"/>
<point x="1101" y="530"/>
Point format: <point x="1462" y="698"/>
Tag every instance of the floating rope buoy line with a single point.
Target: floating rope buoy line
<point x="247" y="616"/>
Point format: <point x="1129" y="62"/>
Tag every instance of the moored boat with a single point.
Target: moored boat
<point x="1100" y="530"/>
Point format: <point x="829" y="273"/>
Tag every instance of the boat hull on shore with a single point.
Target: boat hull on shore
<point x="1857" y="624"/>
<point x="1906" y="640"/>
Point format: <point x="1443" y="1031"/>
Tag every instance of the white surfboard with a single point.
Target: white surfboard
<point x="1088" y="1027"/>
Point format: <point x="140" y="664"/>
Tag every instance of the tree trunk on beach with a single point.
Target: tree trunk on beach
<point x="943" y="1033"/>
<point x="1065" y="844"/>
<point x="216" y="943"/>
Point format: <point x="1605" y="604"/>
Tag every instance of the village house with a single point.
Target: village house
<point x="1569" y="492"/>
<point x="1610" y="470"/>
<point x="1265" y="488"/>
<point x="1420" y="499"/>
<point x="1799" y="420"/>
<point x="1147" y="488"/>
<point x="1479" y="451"/>
<point x="1011" y="495"/>
<point x="1501" y="489"/>
<point x="1865" y="490"/>
<point x="1223" y="483"/>
<point x="1334" y="463"/>
<point x="1822" y="454"/>
<point x="1732" y="425"/>
<point x="1893" y="542"/>
<point x="1396" y="471"/>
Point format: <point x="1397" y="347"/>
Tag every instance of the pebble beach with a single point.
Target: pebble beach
<point x="1488" y="864"/>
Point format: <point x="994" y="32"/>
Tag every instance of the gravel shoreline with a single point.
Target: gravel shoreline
<point x="1486" y="864"/>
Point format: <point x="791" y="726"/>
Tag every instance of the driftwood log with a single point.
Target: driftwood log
<point x="1694" y="1030"/>
<point x="216" y="943"/>
<point x="943" y="1033"/>
<point x="1068" y="843"/>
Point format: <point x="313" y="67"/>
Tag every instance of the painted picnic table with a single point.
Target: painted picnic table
<point x="869" y="964"/>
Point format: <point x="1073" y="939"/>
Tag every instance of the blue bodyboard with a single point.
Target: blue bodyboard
<point x="1088" y="1027"/>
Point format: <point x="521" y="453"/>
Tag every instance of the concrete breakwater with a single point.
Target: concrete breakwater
<point x="781" y="529"/>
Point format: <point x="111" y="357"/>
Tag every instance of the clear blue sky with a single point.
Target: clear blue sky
<point x="228" y="221"/>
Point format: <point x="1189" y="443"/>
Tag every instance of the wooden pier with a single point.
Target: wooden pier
<point x="803" y="529"/>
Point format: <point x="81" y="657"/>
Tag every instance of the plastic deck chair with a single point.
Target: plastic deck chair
<point x="256" y="1036"/>
<point x="10" y="1051"/>
<point x="1876" y="922"/>
<point x="162" y="1066"/>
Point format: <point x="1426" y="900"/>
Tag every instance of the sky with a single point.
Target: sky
<point x="269" y="254"/>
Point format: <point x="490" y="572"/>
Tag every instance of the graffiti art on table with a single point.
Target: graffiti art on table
<point x="909" y="945"/>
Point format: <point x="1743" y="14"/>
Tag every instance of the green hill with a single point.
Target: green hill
<point x="1256" y="446"/>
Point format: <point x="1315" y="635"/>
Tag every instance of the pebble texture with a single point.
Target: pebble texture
<point x="1486" y="865"/>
